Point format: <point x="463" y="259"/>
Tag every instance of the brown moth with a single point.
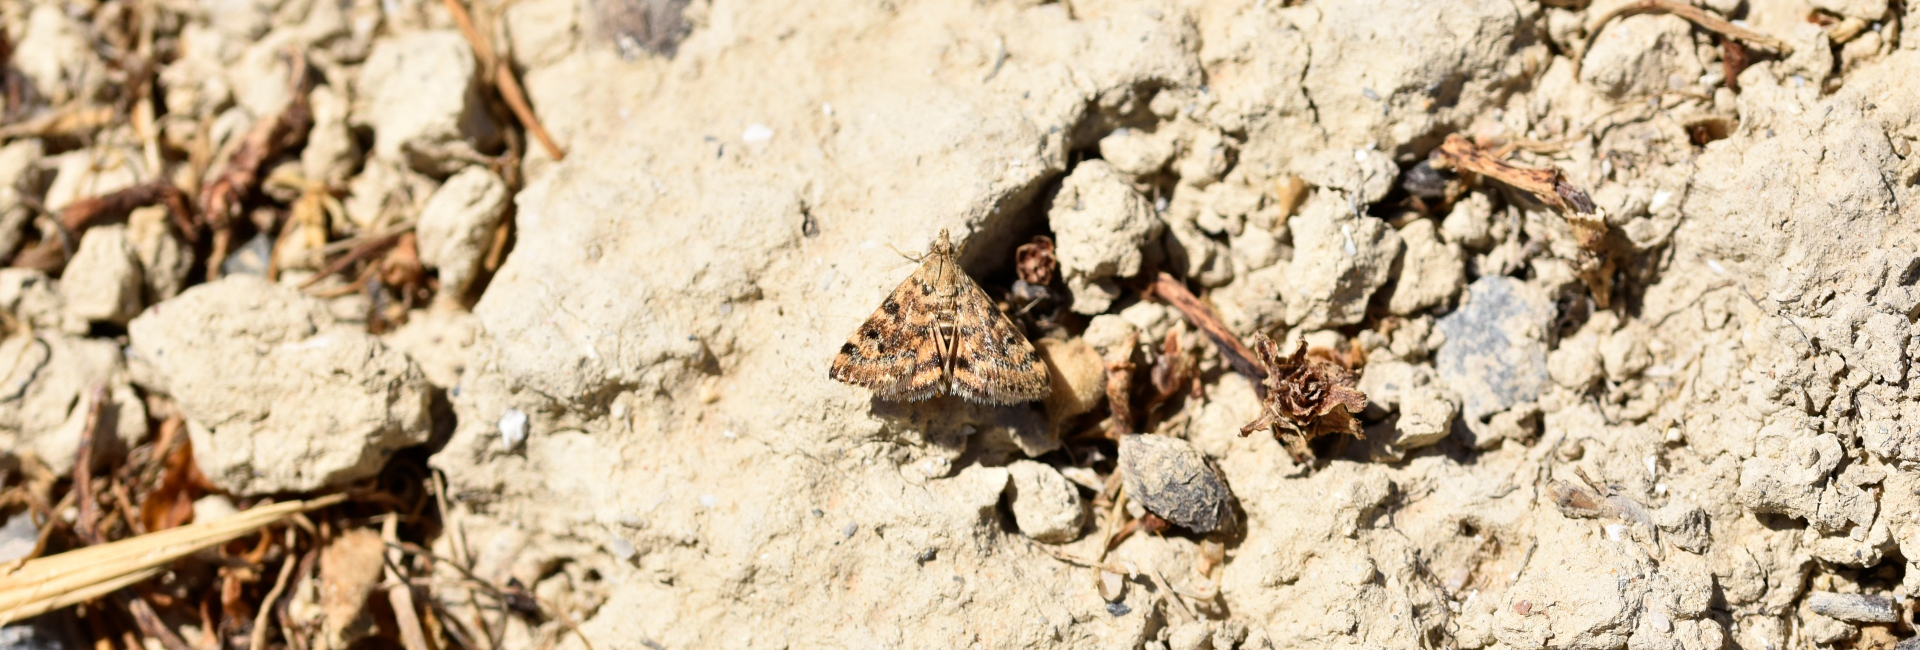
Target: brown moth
<point x="938" y="333"/>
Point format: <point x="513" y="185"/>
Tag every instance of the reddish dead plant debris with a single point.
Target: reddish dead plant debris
<point x="221" y="199"/>
<point x="1307" y="397"/>
<point x="1597" y="262"/>
<point x="52" y="253"/>
<point x="1119" y="362"/>
<point x="1171" y="291"/>
<point x="1035" y="261"/>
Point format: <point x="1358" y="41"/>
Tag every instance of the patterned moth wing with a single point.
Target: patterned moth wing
<point x="939" y="333"/>
<point x="883" y="354"/>
<point x="992" y="362"/>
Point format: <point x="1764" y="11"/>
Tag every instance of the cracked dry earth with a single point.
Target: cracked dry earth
<point x="1721" y="450"/>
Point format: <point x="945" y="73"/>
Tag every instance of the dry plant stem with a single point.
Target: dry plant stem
<point x="1548" y="185"/>
<point x="150" y="624"/>
<point x="258" y="638"/>
<point x="400" y="593"/>
<point x="1114" y="514"/>
<point x="365" y="248"/>
<point x="1695" y="15"/>
<point x="221" y="199"/>
<point x="48" y="583"/>
<point x="503" y="79"/>
<point x="1200" y="315"/>
<point x="89" y="515"/>
<point x="1120" y="387"/>
<point x="67" y="120"/>
<point x="497" y="250"/>
<point x="491" y="589"/>
<point x="51" y="254"/>
<point x="462" y="556"/>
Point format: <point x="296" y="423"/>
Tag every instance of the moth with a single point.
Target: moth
<point x="939" y="334"/>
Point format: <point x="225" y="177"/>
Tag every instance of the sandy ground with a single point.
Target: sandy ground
<point x="1713" y="446"/>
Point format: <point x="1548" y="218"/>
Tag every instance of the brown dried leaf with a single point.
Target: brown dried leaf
<point x="1305" y="397"/>
<point x="350" y="568"/>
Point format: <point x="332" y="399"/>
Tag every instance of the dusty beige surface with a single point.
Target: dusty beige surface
<point x="642" y="430"/>
<point x="679" y="287"/>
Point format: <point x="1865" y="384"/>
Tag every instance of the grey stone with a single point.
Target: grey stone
<point x="1494" y="357"/>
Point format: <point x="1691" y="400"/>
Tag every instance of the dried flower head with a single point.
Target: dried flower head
<point x="1035" y="261"/>
<point x="1306" y="398"/>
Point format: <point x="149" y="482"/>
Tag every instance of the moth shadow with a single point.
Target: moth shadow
<point x="945" y="424"/>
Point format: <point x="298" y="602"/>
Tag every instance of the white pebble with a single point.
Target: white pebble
<point x="513" y="428"/>
<point x="707" y="500"/>
<point x="1660" y="200"/>
<point x="756" y="132"/>
<point x="621" y="548"/>
<point x="1617" y="532"/>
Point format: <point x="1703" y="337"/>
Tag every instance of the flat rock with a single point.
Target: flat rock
<point x="278" y="397"/>
<point x="1100" y="225"/>
<point x="421" y="100"/>
<point x="1045" y="506"/>
<point x="104" y="280"/>
<point x="1494" y="356"/>
<point x="456" y="227"/>
<point x="1339" y="260"/>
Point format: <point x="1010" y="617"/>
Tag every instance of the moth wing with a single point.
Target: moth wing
<point x="992" y="362"/>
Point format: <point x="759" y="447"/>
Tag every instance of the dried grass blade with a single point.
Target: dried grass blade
<point x="49" y="583"/>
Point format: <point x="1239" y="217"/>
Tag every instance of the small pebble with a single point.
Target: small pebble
<point x="1119" y="609"/>
<point x="513" y="428"/>
<point x="756" y="133"/>
<point x="707" y="500"/>
<point x="1854" y="608"/>
<point x="925" y="556"/>
<point x="849" y="529"/>
<point x="621" y="548"/>
<point x="1171" y="479"/>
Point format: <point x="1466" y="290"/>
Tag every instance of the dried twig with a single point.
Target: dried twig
<point x="1699" y="17"/>
<point x="1200" y="315"/>
<point x="400" y="592"/>
<point x="220" y="200"/>
<point x="45" y="584"/>
<point x="503" y="79"/>
<point x="1120" y="386"/>
<point x="363" y="248"/>
<point x="258" y="637"/>
<point x="496" y="591"/>
<point x="63" y="121"/>
<point x="149" y="622"/>
<point x="1305" y="398"/>
<point x="52" y="253"/>
<point x="1550" y="186"/>
<point x="86" y="523"/>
